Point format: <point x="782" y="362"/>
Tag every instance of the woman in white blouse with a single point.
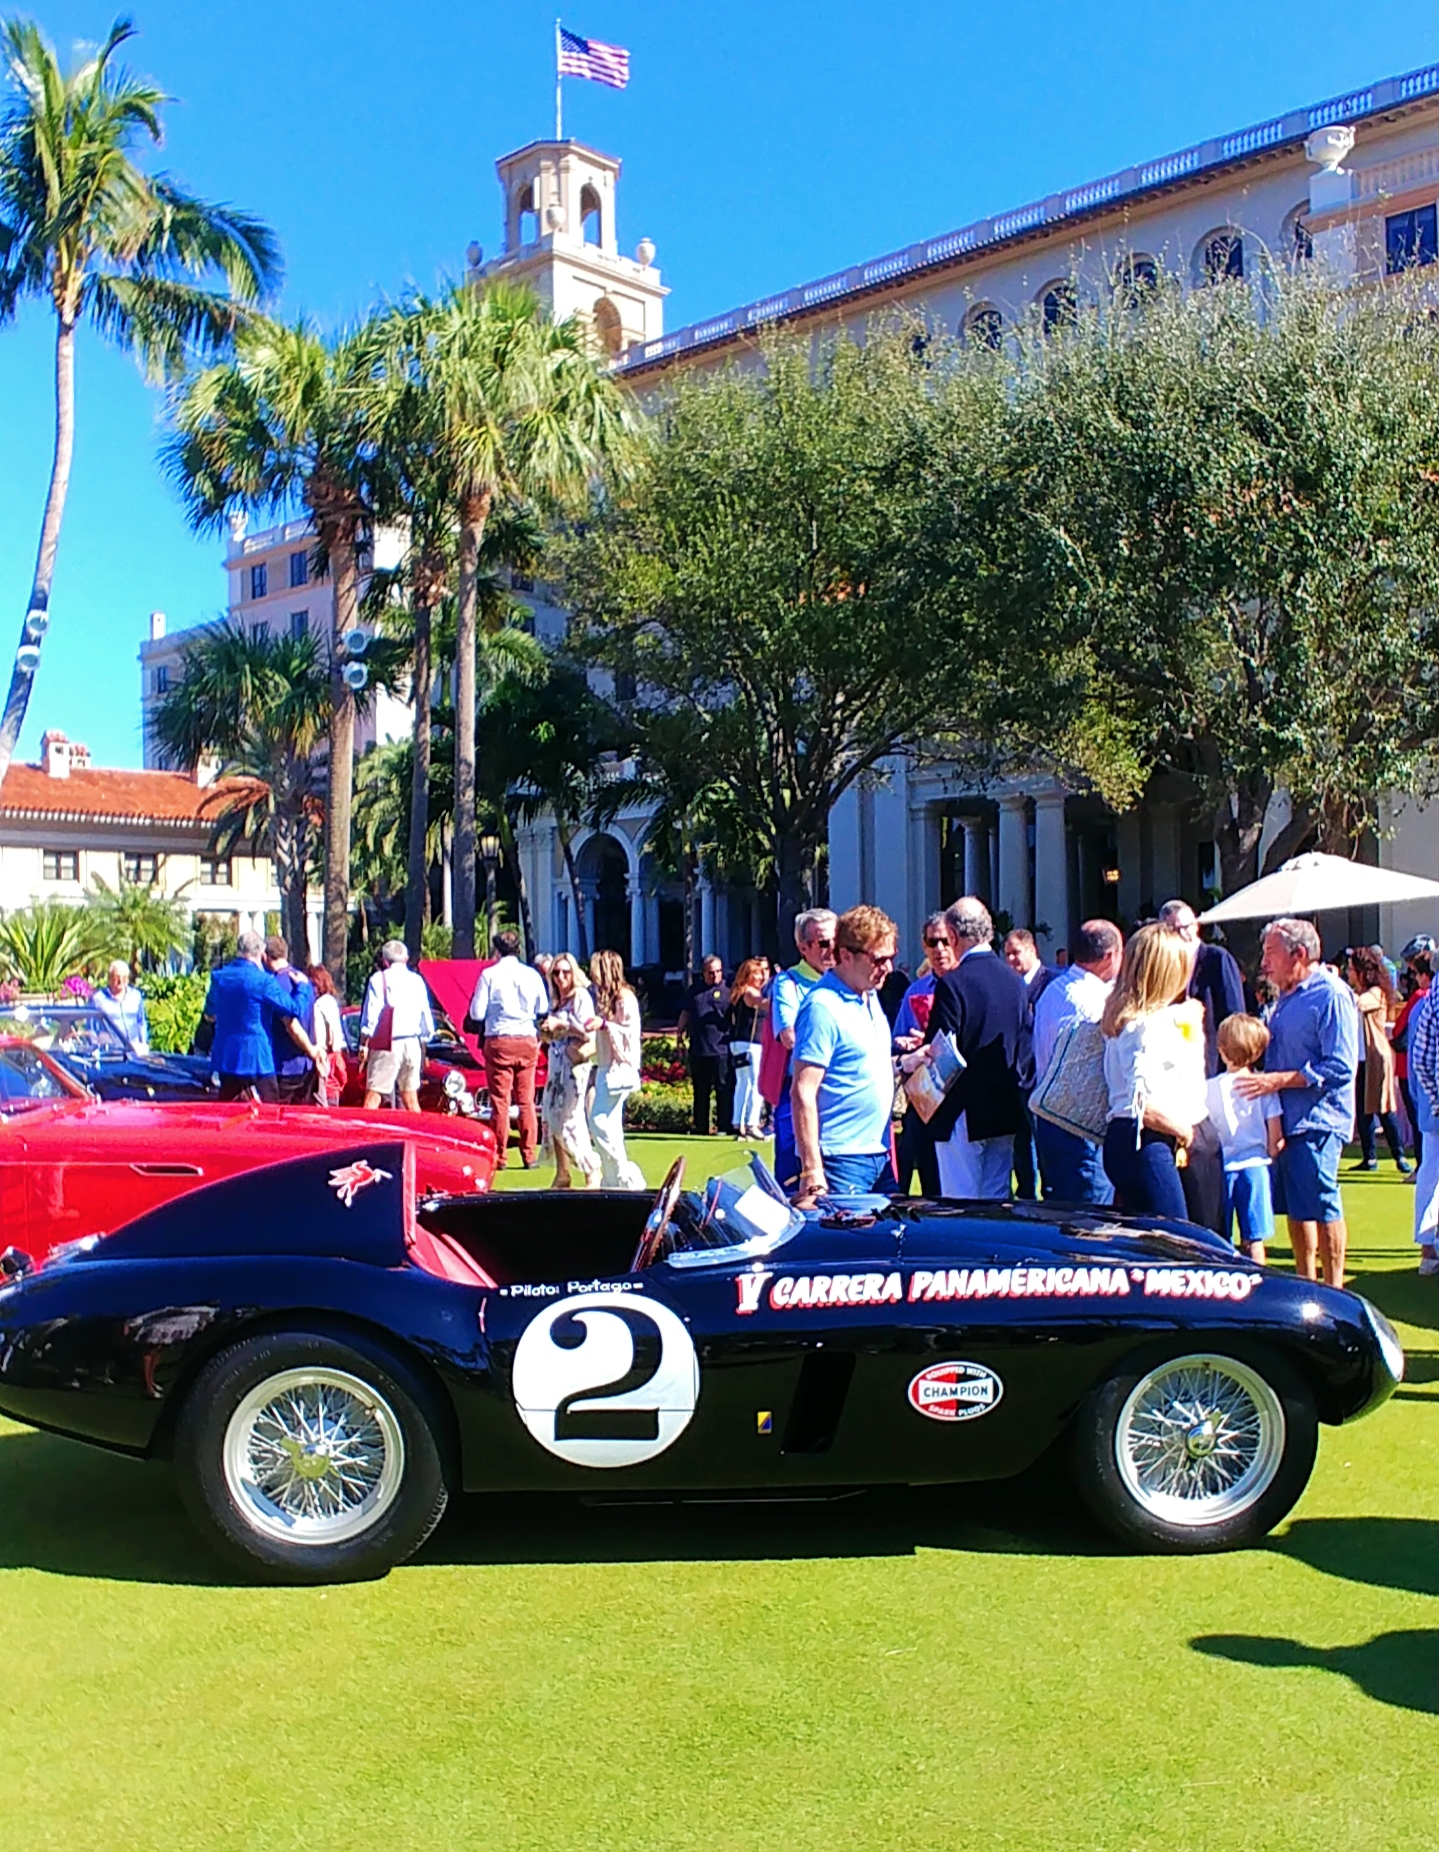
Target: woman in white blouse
<point x="617" y="1070"/>
<point x="1154" y="1072"/>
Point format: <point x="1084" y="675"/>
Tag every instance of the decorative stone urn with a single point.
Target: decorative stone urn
<point x="645" y="252"/>
<point x="1328" y="147"/>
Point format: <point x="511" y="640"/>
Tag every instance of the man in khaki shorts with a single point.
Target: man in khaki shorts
<point x="394" y="1026"/>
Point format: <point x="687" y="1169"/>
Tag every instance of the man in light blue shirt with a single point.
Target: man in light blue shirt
<point x="843" y="1092"/>
<point x="509" y="1002"/>
<point x="1311" y="1062"/>
<point x="123" y="1006"/>
<point x="1070" y="1167"/>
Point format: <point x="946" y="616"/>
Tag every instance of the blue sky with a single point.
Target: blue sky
<point x="775" y="143"/>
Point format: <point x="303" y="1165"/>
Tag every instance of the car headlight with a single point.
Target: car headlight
<point x="1390" y="1348"/>
<point x="454" y="1084"/>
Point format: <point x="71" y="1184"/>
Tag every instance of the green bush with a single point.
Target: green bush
<point x="172" y="1009"/>
<point x="659" y="1107"/>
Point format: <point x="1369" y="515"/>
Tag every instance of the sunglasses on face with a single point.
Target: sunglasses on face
<point x="823" y="945"/>
<point x="936" y="945"/>
<point x="879" y="958"/>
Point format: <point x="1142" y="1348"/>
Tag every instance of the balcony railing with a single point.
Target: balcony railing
<point x="917" y="258"/>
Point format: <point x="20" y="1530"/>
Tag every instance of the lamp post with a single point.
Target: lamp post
<point x="490" y="856"/>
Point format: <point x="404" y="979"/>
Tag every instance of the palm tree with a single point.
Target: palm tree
<point x="135" y="923"/>
<point x="516" y="406"/>
<point x="43" y="944"/>
<point x="131" y="253"/>
<point x="260" y="705"/>
<point x="291" y="418"/>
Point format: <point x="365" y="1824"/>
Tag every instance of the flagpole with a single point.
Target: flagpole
<point x="559" y="90"/>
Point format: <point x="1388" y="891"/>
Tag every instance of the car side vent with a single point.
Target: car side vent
<point x="814" y="1414"/>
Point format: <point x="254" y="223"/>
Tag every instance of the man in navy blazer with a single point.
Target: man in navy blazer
<point x="1217" y="981"/>
<point x="985" y="1008"/>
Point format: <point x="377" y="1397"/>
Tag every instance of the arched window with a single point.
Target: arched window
<point x="527" y="221"/>
<point x="608" y="331"/>
<point x="1221" y="257"/>
<point x="590" y="215"/>
<point x="984" y="326"/>
<point x="1136" y="280"/>
<point x="1058" y="308"/>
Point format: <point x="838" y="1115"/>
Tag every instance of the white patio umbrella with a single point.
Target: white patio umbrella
<point x="1320" y="884"/>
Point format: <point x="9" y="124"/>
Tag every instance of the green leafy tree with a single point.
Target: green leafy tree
<point x="135" y="923"/>
<point x="134" y="255"/>
<point x="761" y="577"/>
<point x="292" y="418"/>
<point x="1224" y="524"/>
<point x="260" y="705"/>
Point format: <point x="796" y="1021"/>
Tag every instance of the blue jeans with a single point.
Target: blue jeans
<point x="1144" y="1176"/>
<point x="1072" y="1168"/>
<point x="862" y="1173"/>
<point x="786" y="1157"/>
<point x="1306" y="1177"/>
<point x="1248" y="1203"/>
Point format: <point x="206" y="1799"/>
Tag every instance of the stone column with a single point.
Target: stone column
<point x="652" y="926"/>
<point x="845" y="852"/>
<point x="638" y="952"/>
<point x="707" y="922"/>
<point x="1331" y="190"/>
<point x="976" y="849"/>
<point x="1015" y="898"/>
<point x="1051" y="871"/>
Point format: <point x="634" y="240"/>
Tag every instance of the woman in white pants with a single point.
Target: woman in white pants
<point x="745" y="1048"/>
<point x="617" y="1070"/>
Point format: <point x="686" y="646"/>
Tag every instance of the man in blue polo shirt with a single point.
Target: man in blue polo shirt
<point x="1310" y="1063"/>
<point x="243" y="1001"/>
<point x="843" y="1091"/>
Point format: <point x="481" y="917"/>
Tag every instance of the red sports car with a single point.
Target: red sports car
<point x="72" y="1166"/>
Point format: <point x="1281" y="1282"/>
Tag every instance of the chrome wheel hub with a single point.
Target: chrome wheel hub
<point x="313" y="1456"/>
<point x="1199" y="1440"/>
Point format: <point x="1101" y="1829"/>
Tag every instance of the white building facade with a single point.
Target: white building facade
<point x="1352" y="182"/>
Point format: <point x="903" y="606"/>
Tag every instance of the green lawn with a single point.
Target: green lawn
<point x="956" y="1671"/>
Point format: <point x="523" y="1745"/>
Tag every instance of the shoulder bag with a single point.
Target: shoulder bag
<point x="1072" y="1093"/>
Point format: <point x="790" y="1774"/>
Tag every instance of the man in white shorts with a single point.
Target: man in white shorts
<point x="394" y="1026"/>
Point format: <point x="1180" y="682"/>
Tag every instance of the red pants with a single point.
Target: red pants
<point x="510" y="1063"/>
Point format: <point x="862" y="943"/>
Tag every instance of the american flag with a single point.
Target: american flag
<point x="605" y="64"/>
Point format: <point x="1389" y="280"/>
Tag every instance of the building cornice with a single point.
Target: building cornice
<point x="1197" y="165"/>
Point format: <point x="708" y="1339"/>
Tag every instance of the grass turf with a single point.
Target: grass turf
<point x="959" y="1669"/>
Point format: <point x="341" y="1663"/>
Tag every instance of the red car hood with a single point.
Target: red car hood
<point x="452" y="984"/>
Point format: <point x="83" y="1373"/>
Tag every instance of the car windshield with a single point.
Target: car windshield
<point x="742" y="1213"/>
<point x="26" y="1078"/>
<point x="80" y="1032"/>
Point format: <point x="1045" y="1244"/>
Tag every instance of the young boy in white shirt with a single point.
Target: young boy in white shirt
<point x="1250" y="1134"/>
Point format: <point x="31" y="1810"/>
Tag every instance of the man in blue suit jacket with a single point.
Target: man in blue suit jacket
<point x="243" y="1003"/>
<point x="985" y="1008"/>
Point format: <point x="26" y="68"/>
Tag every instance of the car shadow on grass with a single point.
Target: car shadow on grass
<point x="73" y="1510"/>
<point x="1400" y="1294"/>
<point x="1398" y="1553"/>
<point x="1399" y="1668"/>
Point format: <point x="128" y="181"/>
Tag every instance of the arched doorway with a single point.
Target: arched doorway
<point x="603" y="869"/>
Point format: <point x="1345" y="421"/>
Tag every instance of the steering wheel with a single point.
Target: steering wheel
<point x="648" y="1251"/>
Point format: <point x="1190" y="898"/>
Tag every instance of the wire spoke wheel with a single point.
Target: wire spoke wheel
<point x="1199" y="1440"/>
<point x="313" y="1456"/>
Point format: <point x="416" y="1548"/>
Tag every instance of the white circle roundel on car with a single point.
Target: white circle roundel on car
<point x="606" y="1379"/>
<point x="955" y="1391"/>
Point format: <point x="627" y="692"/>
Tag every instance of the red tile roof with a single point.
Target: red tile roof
<point x="91" y="795"/>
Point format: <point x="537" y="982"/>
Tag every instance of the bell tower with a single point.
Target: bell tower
<point x="560" y="238"/>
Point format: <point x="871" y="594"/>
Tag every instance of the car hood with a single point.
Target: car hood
<point x="1068" y="1235"/>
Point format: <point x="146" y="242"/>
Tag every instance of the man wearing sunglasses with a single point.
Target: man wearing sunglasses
<point x="814" y="939"/>
<point x="843" y="1092"/>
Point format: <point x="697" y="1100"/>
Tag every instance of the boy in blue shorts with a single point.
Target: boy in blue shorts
<point x="1250" y="1134"/>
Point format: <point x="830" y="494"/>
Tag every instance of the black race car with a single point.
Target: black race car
<point x="324" y="1358"/>
<point x="83" y="1041"/>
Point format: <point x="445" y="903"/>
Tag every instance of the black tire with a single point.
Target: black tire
<point x="378" y="1409"/>
<point x="1268" y="1442"/>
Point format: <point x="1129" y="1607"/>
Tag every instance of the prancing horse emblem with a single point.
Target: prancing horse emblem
<point x="351" y="1178"/>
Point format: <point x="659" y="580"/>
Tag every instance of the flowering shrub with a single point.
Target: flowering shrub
<point x="658" y="1107"/>
<point x="172" y="1009"/>
<point x="9" y="993"/>
<point x="662" y="1059"/>
<point x="78" y="987"/>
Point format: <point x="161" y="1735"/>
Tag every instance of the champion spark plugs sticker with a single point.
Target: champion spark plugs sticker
<point x="955" y="1391"/>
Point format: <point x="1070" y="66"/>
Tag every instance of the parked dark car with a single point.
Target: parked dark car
<point x="324" y="1354"/>
<point x="89" y="1046"/>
